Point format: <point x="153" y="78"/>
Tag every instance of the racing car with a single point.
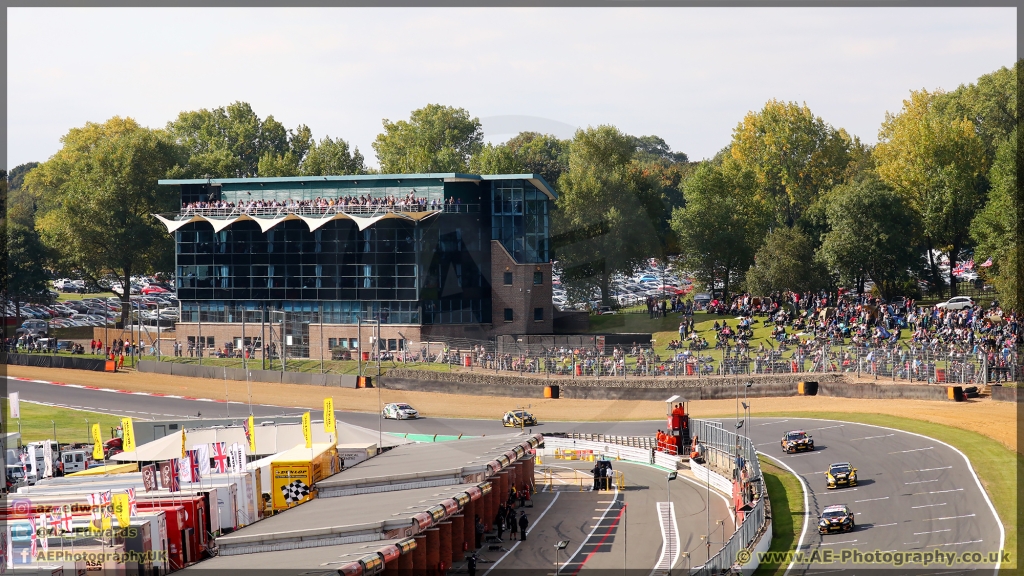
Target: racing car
<point x="399" y="411"/>
<point x="518" y="418"/>
<point x="836" y="518"/>
<point x="841" y="474"/>
<point x="796" y="440"/>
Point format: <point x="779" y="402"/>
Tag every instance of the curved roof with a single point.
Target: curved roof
<point x="363" y="222"/>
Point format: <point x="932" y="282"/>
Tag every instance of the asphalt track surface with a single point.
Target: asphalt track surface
<point x="915" y="494"/>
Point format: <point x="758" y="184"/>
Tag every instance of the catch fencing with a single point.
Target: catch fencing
<point x="722" y="445"/>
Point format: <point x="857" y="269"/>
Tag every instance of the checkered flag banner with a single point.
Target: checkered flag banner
<point x="295" y="491"/>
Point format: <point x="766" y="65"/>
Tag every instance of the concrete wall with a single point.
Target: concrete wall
<point x="216" y="372"/>
<point x="884" y="391"/>
<point x="1004" y="394"/>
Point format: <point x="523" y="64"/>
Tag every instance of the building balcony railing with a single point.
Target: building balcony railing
<point x="314" y="216"/>
<point x="322" y="211"/>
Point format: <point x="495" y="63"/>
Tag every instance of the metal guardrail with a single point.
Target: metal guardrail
<point x="723" y="445"/>
<point x="318" y="211"/>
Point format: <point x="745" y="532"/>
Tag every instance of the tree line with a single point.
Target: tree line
<point x="791" y="203"/>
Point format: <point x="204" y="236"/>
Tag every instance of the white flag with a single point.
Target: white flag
<point x="47" y="460"/>
<point x="237" y="458"/>
<point x="9" y="546"/>
<point x="14" y="399"/>
<point x="32" y="460"/>
<point x="185" y="469"/>
<point x="203" y="452"/>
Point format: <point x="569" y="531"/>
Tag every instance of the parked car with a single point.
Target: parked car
<point x="34" y="326"/>
<point x="956" y="303"/>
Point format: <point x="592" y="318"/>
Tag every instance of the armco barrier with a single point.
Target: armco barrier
<point x="55" y="361"/>
<point x="666" y="461"/>
<point x="717" y="481"/>
<point x="611" y="451"/>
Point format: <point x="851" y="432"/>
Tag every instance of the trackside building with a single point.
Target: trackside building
<point x="428" y="256"/>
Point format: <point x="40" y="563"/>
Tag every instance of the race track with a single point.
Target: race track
<point x="915" y="494"/>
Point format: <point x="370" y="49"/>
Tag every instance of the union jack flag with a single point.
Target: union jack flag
<point x="133" y="508"/>
<point x="220" y="457"/>
<point x="53" y="521"/>
<point x="32" y="526"/>
<point x="173" y="483"/>
<point x="193" y="456"/>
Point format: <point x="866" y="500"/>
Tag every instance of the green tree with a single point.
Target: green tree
<point x="435" y="139"/>
<point x="937" y="161"/>
<point x="99" y="192"/>
<point x="785" y="262"/>
<point x="717" y="227"/>
<point x="608" y="208"/>
<point x="995" y="228"/>
<point x="655" y="148"/>
<point x="990" y="104"/>
<point x="232" y="140"/>
<point x="19" y="205"/>
<point x="24" y="278"/>
<point x="872" y="234"/>
<point x="794" y="155"/>
<point x="525" y="153"/>
<point x="333" y="157"/>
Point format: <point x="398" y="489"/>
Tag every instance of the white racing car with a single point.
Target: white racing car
<point x="400" y="411"/>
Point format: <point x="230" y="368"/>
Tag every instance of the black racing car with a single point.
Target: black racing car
<point x="797" y="441"/>
<point x="841" y="474"/>
<point x="836" y="518"/>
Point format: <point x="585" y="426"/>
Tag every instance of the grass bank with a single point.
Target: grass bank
<point x="786" y="499"/>
<point x="38" y="421"/>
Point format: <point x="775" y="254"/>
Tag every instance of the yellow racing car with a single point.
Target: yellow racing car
<point x="841" y="474"/>
<point x="518" y="419"/>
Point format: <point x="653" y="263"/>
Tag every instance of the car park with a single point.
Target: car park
<point x="518" y="418"/>
<point x="840" y="474"/>
<point x="399" y="411"/>
<point x="797" y="441"/>
<point x="836" y="518"/>
<point x="34" y="326"/>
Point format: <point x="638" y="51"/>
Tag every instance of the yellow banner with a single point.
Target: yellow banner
<point x="128" y="435"/>
<point x="183" y="451"/>
<point x="122" y="510"/>
<point x="307" y="431"/>
<point x="97" y="448"/>
<point x="329" y="415"/>
<point x="252" y="434"/>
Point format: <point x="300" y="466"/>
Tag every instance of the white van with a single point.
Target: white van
<point x="75" y="461"/>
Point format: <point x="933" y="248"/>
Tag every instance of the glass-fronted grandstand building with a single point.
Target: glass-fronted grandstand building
<point x="439" y="256"/>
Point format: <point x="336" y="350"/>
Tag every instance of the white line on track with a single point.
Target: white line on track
<point x="843" y="491"/>
<point x="921" y="481"/>
<point x="914" y="450"/>
<point x="872" y="437"/>
<point x="929" y="505"/>
<point x="938" y="492"/>
<point x="950" y="517"/>
<point x="825" y="427"/>
<point x="870" y="499"/>
<point x="770" y="423"/>
<point x="843" y="542"/>
<point x="930" y="469"/>
<point x="959" y="543"/>
<point x="533" y="525"/>
<point x="883" y="525"/>
<point x="589" y="536"/>
<point x="933" y="531"/>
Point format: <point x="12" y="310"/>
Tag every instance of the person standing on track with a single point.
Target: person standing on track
<point x="524" y="523"/>
<point x="511" y="520"/>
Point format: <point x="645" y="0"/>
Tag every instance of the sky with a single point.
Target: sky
<point x="688" y="75"/>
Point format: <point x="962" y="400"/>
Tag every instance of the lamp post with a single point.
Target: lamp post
<point x="668" y="484"/>
<point x="687" y="556"/>
<point x="560" y="545"/>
